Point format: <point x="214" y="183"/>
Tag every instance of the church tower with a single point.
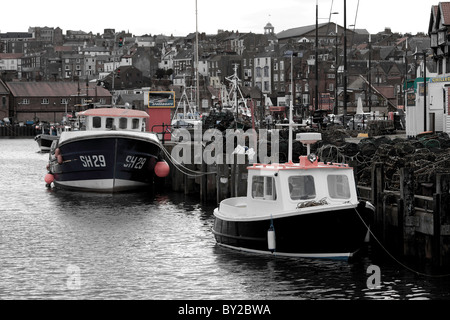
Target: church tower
<point x="269" y="29"/>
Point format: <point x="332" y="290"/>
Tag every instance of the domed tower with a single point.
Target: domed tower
<point x="269" y="29"/>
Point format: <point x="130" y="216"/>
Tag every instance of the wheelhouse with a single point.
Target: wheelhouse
<point x="288" y="186"/>
<point x="114" y="119"/>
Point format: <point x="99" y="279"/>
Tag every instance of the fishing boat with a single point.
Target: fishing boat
<point x="48" y="135"/>
<point x="112" y="154"/>
<point x="189" y="117"/>
<point x="308" y="209"/>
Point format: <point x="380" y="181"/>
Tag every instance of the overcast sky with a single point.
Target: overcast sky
<point x="178" y="17"/>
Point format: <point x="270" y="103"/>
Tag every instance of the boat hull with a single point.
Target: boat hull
<point x="106" y="164"/>
<point x="45" y="141"/>
<point x="336" y="234"/>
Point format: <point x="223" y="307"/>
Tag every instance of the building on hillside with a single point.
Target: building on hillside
<point x="430" y="111"/>
<point x="125" y="77"/>
<point x="4" y="101"/>
<point x="49" y="101"/>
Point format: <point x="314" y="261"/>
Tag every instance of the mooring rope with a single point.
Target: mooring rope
<point x="394" y="258"/>
<point x="180" y="167"/>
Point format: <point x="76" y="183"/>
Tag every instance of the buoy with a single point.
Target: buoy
<point x="271" y="239"/>
<point x="162" y="169"/>
<point x="49" y="178"/>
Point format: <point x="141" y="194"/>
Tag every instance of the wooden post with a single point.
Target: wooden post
<point x="223" y="180"/>
<point x="203" y="183"/>
<point x="211" y="182"/>
<point x="190" y="178"/>
<point x="377" y="198"/>
<point x="441" y="226"/>
<point x="242" y="178"/>
<point x="409" y="221"/>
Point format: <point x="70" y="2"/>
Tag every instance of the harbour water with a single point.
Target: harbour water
<point x="57" y="244"/>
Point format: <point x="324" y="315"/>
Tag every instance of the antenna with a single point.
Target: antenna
<point x="309" y="138"/>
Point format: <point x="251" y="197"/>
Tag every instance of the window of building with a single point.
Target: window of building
<point x="45" y="101"/>
<point x="331" y="87"/>
<point x="258" y="72"/>
<point x="25" y="101"/>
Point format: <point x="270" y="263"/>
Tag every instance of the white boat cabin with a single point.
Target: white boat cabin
<point x="279" y="190"/>
<point x="114" y="119"/>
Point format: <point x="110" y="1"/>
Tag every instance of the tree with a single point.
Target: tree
<point x="160" y="73"/>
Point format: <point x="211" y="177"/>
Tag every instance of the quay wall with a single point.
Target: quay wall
<point x="18" y="131"/>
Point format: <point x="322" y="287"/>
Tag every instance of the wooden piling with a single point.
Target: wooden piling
<point x="409" y="220"/>
<point x="223" y="180"/>
<point x="441" y="221"/>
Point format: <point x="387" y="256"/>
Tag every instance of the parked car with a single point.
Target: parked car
<point x="360" y="121"/>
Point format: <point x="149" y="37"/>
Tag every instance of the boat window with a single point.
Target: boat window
<point x="264" y="188"/>
<point x="135" y="123"/>
<point x="302" y="187"/>
<point x="109" y="123"/>
<point x="123" y="123"/>
<point x="96" y="122"/>
<point x="270" y="193"/>
<point x="338" y="187"/>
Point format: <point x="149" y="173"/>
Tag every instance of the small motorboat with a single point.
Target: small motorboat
<point x="308" y="209"/>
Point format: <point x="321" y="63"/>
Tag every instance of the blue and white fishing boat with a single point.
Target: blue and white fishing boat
<point x="113" y="154"/>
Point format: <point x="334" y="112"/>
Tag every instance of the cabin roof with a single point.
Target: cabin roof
<point x="304" y="164"/>
<point x="115" y="112"/>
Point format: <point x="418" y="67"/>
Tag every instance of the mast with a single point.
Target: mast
<point x="316" y="94"/>
<point x="197" y="91"/>
<point x="345" y="59"/>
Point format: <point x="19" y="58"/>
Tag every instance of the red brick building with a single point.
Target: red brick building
<point x="49" y="101"/>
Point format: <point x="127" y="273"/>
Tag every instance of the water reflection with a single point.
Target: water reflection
<point x="156" y="245"/>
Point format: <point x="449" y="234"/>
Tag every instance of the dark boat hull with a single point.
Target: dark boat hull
<point x="106" y="164"/>
<point x="333" y="235"/>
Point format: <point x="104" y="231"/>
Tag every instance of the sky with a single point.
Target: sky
<point x="178" y="17"/>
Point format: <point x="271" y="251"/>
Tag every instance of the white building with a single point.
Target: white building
<point x="10" y="61"/>
<point x="417" y="108"/>
<point x="434" y="113"/>
<point x="438" y="93"/>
